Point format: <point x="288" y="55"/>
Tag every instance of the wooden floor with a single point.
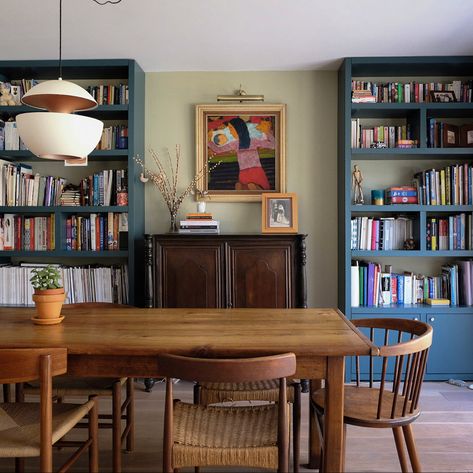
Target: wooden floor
<point x="444" y="435"/>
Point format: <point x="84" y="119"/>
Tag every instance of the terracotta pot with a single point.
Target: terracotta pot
<point x="49" y="302"/>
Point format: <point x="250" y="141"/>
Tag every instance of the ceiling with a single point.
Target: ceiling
<point x="224" y="35"/>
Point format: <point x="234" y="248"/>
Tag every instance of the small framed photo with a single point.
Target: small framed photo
<point x="444" y="96"/>
<point x="279" y="213"/>
<point x="451" y="136"/>
<point x="466" y="136"/>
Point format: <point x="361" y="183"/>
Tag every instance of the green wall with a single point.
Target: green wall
<point x="311" y="155"/>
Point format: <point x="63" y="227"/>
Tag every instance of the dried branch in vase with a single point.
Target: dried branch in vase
<point x="166" y="179"/>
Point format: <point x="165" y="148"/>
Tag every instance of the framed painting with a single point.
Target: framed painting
<point x="241" y="148"/>
<point x="279" y="213"/>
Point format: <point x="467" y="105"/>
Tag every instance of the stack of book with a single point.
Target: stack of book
<point x="200" y="222"/>
<point x="70" y="195"/>
<point x="362" y="96"/>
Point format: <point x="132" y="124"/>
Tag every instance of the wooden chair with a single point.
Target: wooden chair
<point x="66" y="386"/>
<point x="267" y="390"/>
<point x="31" y="429"/>
<point x="401" y="361"/>
<point x="198" y="435"/>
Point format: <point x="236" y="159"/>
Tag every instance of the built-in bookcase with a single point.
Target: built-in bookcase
<point x="452" y="351"/>
<point x="131" y="114"/>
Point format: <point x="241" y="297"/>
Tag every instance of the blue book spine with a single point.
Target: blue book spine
<point x="365" y="286"/>
<point x="427" y="188"/>
<point x="453" y="286"/>
<point x="400" y="289"/>
<point x="402" y="193"/>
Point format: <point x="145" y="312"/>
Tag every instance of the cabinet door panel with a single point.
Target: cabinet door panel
<point x="191" y="276"/>
<point x="261" y="277"/>
<point x="452" y="348"/>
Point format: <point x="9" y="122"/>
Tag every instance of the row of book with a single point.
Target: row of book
<point x="107" y="187"/>
<point x="81" y="284"/>
<point x="372" y="287"/>
<point x="97" y="232"/>
<point x="199" y="222"/>
<point x="454" y="232"/>
<point x="452" y="185"/>
<point x="384" y="233"/>
<point x="109" y="94"/>
<point x="446" y="135"/>
<point x="407" y="92"/>
<point x="9" y="137"/>
<point x="20" y="186"/>
<point x="400" y="136"/>
<point x="114" y="137"/>
<point x="22" y="233"/>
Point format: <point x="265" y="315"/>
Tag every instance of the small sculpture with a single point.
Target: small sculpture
<point x="409" y="244"/>
<point x="357" y="179"/>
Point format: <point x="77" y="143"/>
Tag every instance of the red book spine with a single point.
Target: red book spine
<point x="393" y="289"/>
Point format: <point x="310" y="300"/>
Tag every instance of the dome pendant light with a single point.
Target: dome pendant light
<point x="59" y="134"/>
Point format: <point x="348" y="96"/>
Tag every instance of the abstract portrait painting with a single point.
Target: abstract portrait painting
<point x="242" y="149"/>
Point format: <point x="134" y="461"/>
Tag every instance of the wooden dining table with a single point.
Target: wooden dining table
<point x="116" y="342"/>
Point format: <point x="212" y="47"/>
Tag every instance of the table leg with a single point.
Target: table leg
<point x="314" y="440"/>
<point x="334" y="449"/>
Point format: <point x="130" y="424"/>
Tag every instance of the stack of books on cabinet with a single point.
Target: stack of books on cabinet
<point x="406" y="123"/>
<point x="92" y="222"/>
<point x="198" y="223"/>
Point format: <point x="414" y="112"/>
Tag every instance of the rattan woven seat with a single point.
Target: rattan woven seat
<point x="66" y="386"/>
<point x="30" y="429"/>
<point x="221" y="435"/>
<point x="217" y="435"/>
<point x="212" y="393"/>
<point x="20" y="426"/>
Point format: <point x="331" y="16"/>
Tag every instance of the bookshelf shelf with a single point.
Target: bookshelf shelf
<point x="450" y="322"/>
<point x="92" y="72"/>
<point x="63" y="253"/>
<point x="405" y="208"/>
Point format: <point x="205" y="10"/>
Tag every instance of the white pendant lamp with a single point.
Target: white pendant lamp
<point x="59" y="134"/>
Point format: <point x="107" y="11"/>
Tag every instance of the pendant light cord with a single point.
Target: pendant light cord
<point x="60" y="39"/>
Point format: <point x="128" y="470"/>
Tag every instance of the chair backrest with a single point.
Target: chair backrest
<point x="227" y="370"/>
<point x="405" y="349"/>
<point x="224" y="371"/>
<point x="18" y="365"/>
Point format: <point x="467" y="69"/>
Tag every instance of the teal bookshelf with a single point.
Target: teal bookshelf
<point x="453" y="326"/>
<point x="93" y="71"/>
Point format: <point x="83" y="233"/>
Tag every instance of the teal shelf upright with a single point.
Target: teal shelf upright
<point x="93" y="72"/>
<point x="453" y="325"/>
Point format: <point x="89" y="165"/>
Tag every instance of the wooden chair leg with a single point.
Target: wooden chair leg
<point x="296" y="427"/>
<point x="130" y="415"/>
<point x="7" y="393"/>
<point x="19" y="465"/>
<point x="94" y="435"/>
<point x="411" y="448"/>
<point x="117" y="426"/>
<point x="398" y="439"/>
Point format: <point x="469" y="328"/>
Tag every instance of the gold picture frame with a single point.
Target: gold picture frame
<point x="242" y="148"/>
<point x="279" y="213"/>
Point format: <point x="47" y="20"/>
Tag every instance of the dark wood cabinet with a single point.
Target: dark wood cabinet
<point x="266" y="271"/>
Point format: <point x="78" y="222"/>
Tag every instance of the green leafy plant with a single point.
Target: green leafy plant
<point x="46" y="278"/>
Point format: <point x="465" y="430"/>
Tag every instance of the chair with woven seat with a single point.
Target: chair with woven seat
<point x="391" y="398"/>
<point x="266" y="390"/>
<point x="67" y="387"/>
<point x="220" y="435"/>
<point x="31" y="429"/>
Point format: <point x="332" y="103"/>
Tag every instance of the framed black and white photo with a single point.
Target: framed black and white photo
<point x="279" y="213"/>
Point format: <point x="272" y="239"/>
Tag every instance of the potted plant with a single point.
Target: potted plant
<point x="48" y="295"/>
